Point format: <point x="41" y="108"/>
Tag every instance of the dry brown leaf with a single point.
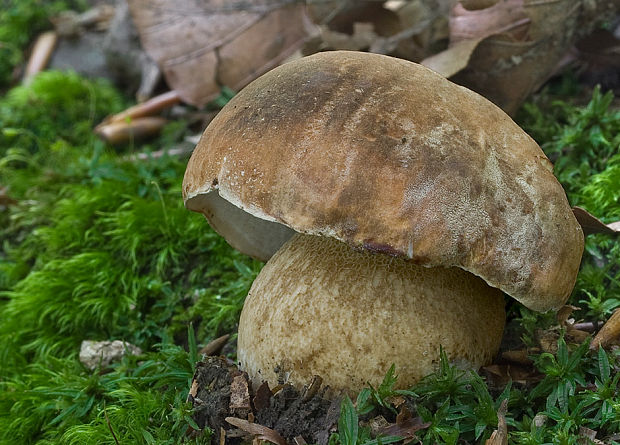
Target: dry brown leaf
<point x="239" y="393"/>
<point x="406" y="426"/>
<point x="502" y="17"/>
<point x="520" y="357"/>
<point x="452" y="60"/>
<point x="500" y="435"/>
<point x="152" y="106"/>
<point x="262" y="397"/>
<point x="202" y="45"/>
<point x="609" y="333"/>
<point x="262" y="432"/>
<point x="502" y="374"/>
<point x="591" y="224"/>
<point x="522" y="49"/>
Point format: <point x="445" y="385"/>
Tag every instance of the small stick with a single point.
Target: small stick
<point x="152" y="106"/>
<point x="40" y="56"/>
<point x="588" y="326"/>
<point x="214" y="346"/>
<point x="107" y="420"/>
<point x="119" y="131"/>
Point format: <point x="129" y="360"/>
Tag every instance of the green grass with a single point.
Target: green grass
<point x="100" y="248"/>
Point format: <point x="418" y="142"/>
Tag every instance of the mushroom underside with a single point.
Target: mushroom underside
<point x="319" y="307"/>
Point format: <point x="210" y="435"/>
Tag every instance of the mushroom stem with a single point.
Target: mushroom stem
<point x="319" y="307"/>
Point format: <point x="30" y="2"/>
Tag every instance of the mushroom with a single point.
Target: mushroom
<point x="395" y="209"/>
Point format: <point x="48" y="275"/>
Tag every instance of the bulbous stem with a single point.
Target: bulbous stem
<point x="319" y="307"/>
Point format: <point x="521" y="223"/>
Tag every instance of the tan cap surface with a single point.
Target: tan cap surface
<point x="388" y="156"/>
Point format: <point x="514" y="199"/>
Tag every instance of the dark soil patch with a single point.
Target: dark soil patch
<point x="220" y="390"/>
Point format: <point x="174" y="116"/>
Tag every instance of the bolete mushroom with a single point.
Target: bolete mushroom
<point x="394" y="207"/>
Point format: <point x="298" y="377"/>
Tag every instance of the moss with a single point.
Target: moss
<point x="99" y="247"/>
<point x="20" y="22"/>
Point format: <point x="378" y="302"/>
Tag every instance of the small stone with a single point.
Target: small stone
<point x="94" y="354"/>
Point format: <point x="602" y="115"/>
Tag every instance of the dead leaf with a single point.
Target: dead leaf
<point x="520" y="357"/>
<point x="300" y="440"/>
<point x="505" y="17"/>
<point x="591" y="224"/>
<point x="377" y="424"/>
<point x="152" y="106"/>
<point x="406" y="426"/>
<point x="202" y="45"/>
<point x="500" y="435"/>
<point x="312" y="389"/>
<point x="240" y="393"/>
<point x="262" y="397"/>
<point x="609" y="333"/>
<point x="452" y="60"/>
<point x="526" y="46"/>
<point x="500" y="375"/>
<point x="262" y="432"/>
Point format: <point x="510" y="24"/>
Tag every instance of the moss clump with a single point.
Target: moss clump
<point x="20" y="22"/>
<point x="99" y="247"/>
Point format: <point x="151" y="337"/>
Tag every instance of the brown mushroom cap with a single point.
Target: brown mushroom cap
<point x="386" y="155"/>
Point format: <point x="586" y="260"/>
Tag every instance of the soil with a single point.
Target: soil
<point x="219" y="389"/>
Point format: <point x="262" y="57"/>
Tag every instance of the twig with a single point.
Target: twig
<point x="118" y="132"/>
<point x="107" y="420"/>
<point x="152" y="106"/>
<point x="588" y="326"/>
<point x="40" y="56"/>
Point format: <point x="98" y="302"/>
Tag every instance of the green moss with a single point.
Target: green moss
<point x="100" y="247"/>
<point x="20" y="22"/>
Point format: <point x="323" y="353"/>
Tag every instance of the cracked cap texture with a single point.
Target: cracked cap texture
<point x="388" y="156"/>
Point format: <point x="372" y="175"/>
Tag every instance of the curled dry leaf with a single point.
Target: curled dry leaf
<point x="262" y="432"/>
<point x="500" y="435"/>
<point x="609" y="333"/>
<point x="516" y="45"/>
<point x="202" y="45"/>
<point x="591" y="224"/>
<point x="406" y="426"/>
